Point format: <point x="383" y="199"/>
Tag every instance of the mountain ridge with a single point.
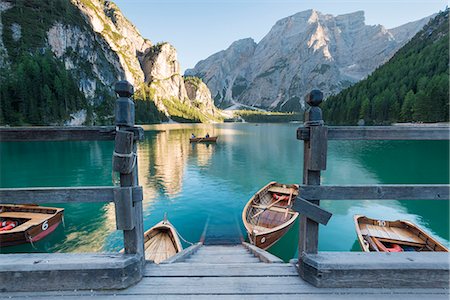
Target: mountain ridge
<point x="300" y="52"/>
<point x="89" y="45"/>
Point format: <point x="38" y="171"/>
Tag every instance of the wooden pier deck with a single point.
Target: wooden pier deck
<point x="228" y="272"/>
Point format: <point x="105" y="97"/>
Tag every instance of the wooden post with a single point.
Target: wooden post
<point x="314" y="160"/>
<point x="133" y="238"/>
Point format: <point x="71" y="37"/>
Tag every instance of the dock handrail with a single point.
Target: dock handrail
<point x="315" y="135"/>
<point x="127" y="198"/>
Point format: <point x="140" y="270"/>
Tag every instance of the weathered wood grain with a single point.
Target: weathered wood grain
<point x="182" y="255"/>
<point x="263" y="255"/>
<point x="67" y="271"/>
<point x="377" y="269"/>
<point x="57" y="133"/>
<point x="318" y="145"/>
<point x="124" y="157"/>
<point x="311" y="211"/>
<point x="62" y="194"/>
<point x="123" y="207"/>
<point x="346" y="295"/>
<point x="377" y="191"/>
<point x="389" y="133"/>
<point x="214" y="270"/>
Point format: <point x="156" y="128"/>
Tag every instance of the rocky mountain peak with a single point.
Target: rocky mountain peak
<point x="304" y="51"/>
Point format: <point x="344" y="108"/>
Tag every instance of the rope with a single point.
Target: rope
<point x="183" y="239"/>
<point x="127" y="155"/>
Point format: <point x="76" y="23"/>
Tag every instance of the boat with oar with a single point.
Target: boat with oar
<point x="20" y="224"/>
<point x="393" y="236"/>
<point x="161" y="242"/>
<point x="211" y="139"/>
<point x="268" y="215"/>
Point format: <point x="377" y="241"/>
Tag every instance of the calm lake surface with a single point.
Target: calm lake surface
<point x="194" y="183"/>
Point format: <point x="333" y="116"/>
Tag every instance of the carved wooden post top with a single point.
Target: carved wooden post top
<point x="313" y="116"/>
<point x="124" y="104"/>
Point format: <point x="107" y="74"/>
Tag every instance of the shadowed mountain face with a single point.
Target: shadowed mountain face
<point x="301" y="52"/>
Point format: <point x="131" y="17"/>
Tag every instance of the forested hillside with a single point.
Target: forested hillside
<point x="413" y="86"/>
<point x="35" y="87"/>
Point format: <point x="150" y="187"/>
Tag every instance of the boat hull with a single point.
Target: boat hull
<point x="385" y="236"/>
<point x="212" y="139"/>
<point x="30" y="233"/>
<point x="266" y="240"/>
<point x="161" y="242"/>
<point x="261" y="208"/>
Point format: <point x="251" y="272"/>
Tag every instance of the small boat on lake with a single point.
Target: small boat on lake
<point x="268" y="215"/>
<point x="211" y="139"/>
<point x="21" y="224"/>
<point x="161" y="242"/>
<point x="393" y="236"/>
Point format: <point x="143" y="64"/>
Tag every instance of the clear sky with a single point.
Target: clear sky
<point x="199" y="28"/>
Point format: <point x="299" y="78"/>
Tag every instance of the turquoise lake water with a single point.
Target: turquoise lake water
<point x="197" y="182"/>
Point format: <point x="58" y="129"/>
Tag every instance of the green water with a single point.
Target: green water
<point x="194" y="183"/>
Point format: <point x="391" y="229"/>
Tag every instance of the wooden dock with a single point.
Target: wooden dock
<point x="224" y="271"/>
<point x="229" y="272"/>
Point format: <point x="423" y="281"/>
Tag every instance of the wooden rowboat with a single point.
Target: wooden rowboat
<point x="211" y="139"/>
<point x="161" y="242"/>
<point x="393" y="236"/>
<point x="268" y="215"/>
<point x="27" y="223"/>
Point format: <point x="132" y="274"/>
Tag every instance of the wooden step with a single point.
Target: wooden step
<point x="222" y="260"/>
<point x="186" y="269"/>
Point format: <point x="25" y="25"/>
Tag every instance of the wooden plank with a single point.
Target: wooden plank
<point x="223" y="259"/>
<point x="263" y="255"/>
<point x="213" y="270"/>
<point x="389" y="132"/>
<point x="340" y="294"/>
<point x="123" y="157"/>
<point x="377" y="269"/>
<point x="377" y="191"/>
<point x="68" y="271"/>
<point x="314" y="160"/>
<point x="124" y="119"/>
<point x="311" y="211"/>
<point x="57" y="133"/>
<point x="182" y="255"/>
<point x="123" y="207"/>
<point x="318" y="146"/>
<point x="62" y="194"/>
<point x="314" y="294"/>
<point x="219" y="285"/>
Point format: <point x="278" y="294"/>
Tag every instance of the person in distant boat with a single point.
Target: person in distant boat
<point x="207" y="135"/>
<point x="192" y="136"/>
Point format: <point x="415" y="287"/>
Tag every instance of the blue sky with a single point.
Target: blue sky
<point x="199" y="28"/>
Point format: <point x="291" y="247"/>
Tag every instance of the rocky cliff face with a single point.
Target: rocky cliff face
<point x="301" y="52"/>
<point x="98" y="45"/>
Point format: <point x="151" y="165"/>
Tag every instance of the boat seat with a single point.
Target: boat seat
<point x="282" y="190"/>
<point x="274" y="208"/>
<point x="33" y="219"/>
<point x="391" y="234"/>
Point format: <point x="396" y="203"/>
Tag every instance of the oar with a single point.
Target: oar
<point x="289" y="202"/>
<point x="371" y="243"/>
<point x="269" y="206"/>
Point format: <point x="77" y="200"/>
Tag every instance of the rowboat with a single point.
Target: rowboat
<point x="393" y="236"/>
<point x="211" y="139"/>
<point x="21" y="224"/>
<point x="161" y="242"/>
<point x="267" y="216"/>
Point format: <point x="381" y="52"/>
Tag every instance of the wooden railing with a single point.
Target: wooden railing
<point x="316" y="135"/>
<point x="127" y="198"/>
